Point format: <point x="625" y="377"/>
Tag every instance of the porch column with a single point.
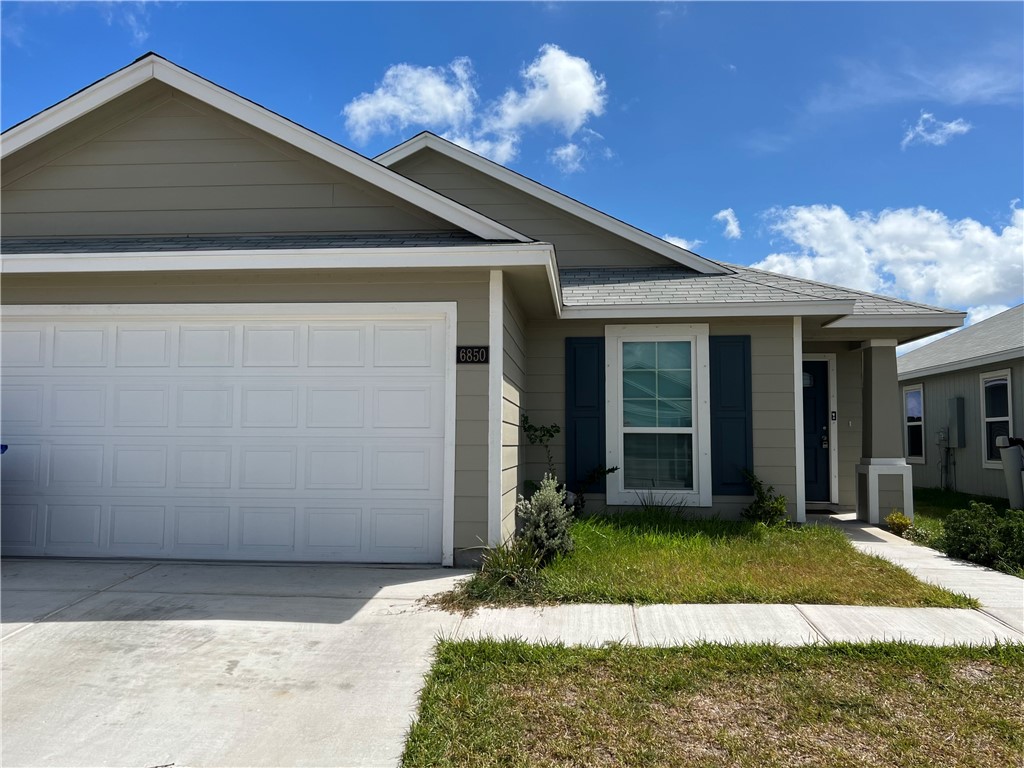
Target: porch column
<point x="884" y="480"/>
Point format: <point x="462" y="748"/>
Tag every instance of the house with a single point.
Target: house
<point x="225" y="336"/>
<point x="960" y="393"/>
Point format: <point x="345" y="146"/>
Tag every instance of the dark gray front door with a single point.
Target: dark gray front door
<point x="816" y="415"/>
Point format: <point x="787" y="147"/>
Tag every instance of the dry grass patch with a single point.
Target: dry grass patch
<point x="491" y="703"/>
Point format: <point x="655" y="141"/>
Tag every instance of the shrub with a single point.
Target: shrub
<point x="541" y="434"/>
<point x="546" y="520"/>
<point x="920" y="536"/>
<point x="512" y="566"/>
<point x="984" y="536"/>
<point x="898" y="523"/>
<point x="768" y="506"/>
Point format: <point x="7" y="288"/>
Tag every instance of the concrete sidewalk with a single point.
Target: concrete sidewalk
<point x="1001" y="617"/>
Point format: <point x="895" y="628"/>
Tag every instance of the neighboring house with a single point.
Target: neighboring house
<point x="226" y="336"/>
<point x="960" y="393"/>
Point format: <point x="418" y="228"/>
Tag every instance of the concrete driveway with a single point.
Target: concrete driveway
<point x="195" y="664"/>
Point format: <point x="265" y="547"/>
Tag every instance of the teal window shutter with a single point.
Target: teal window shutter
<point x="732" y="421"/>
<point x="584" y="411"/>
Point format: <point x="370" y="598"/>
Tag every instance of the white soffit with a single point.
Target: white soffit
<point x="628" y="232"/>
<point x="154" y="67"/>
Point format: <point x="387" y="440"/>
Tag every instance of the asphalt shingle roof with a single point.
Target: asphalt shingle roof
<point x="669" y="285"/>
<point x="28" y="245"/>
<point x="998" y="334"/>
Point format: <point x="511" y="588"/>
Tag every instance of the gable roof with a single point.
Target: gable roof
<point x="429" y="141"/>
<point x="152" y="67"/>
<point x="999" y="338"/>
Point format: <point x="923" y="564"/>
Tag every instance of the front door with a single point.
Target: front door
<point x="816" y="415"/>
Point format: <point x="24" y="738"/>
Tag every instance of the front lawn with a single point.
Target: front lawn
<point x="491" y="703"/>
<point x="650" y="557"/>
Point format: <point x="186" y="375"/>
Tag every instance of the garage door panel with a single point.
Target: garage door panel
<point x="236" y="440"/>
<point x="23" y="347"/>
<point x="143" y="347"/>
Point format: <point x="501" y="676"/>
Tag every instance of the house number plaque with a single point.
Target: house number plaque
<point x="472" y="354"/>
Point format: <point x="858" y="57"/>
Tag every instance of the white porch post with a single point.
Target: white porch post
<point x="798" y="418"/>
<point x="495" y="374"/>
<point x="882" y="437"/>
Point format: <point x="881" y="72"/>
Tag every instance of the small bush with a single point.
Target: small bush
<point x="511" y="566"/>
<point x="546" y="520"/>
<point x="920" y="536"/>
<point x="982" y="535"/>
<point x="768" y="506"/>
<point x="898" y="523"/>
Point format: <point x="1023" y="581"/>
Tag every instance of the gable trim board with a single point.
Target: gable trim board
<point x="153" y="67"/>
<point x="646" y="240"/>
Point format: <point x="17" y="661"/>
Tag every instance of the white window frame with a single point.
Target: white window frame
<point x="983" y="378"/>
<point x="906" y="424"/>
<point x="697" y="335"/>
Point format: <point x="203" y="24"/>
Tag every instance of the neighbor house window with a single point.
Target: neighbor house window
<point x="996" y="418"/>
<point x="913" y="423"/>
<point x="658" y="413"/>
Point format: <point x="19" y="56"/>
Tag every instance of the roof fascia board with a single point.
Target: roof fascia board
<point x="550" y="196"/>
<point x="492" y="256"/>
<point x="946" y="320"/>
<point x="152" y="67"/>
<point x="710" y="309"/>
<point x="959" y="365"/>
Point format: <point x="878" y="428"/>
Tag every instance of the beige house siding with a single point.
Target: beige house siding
<point x="512" y="386"/>
<point x="468" y="289"/>
<point x="772" y="395"/>
<point x="971" y="476"/>
<point x="577" y="242"/>
<point x="176" y="166"/>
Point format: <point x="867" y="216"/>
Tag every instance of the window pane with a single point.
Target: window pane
<point x="639" y="413"/>
<point x="915" y="441"/>
<point x="996" y="399"/>
<point x="674" y="413"/>
<point x="673" y="384"/>
<point x="638" y="355"/>
<point x="993" y="430"/>
<point x="663" y="462"/>
<point x="674" y="354"/>
<point x="914" y="406"/>
<point x="639" y="384"/>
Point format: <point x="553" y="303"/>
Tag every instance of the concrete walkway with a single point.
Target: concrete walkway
<point x="1001" y="617"/>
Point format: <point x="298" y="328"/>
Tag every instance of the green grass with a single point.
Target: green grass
<point x="647" y="557"/>
<point x="491" y="703"/>
<point x="933" y="505"/>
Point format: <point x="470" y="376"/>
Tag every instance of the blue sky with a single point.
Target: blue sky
<point x="878" y="145"/>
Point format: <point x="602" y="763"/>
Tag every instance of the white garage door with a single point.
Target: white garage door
<point x="272" y="435"/>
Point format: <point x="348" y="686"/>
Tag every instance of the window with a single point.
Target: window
<point x="658" y="409"/>
<point x="996" y="418"/>
<point x="913" y="423"/>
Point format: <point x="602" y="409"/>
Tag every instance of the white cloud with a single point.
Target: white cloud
<point x="682" y="242"/>
<point x="435" y="97"/>
<point x="558" y="91"/>
<point x="914" y="253"/>
<point x="568" y="158"/>
<point x="133" y="15"/>
<point x="985" y="77"/>
<point x="732" y="225"/>
<point x="935" y="132"/>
